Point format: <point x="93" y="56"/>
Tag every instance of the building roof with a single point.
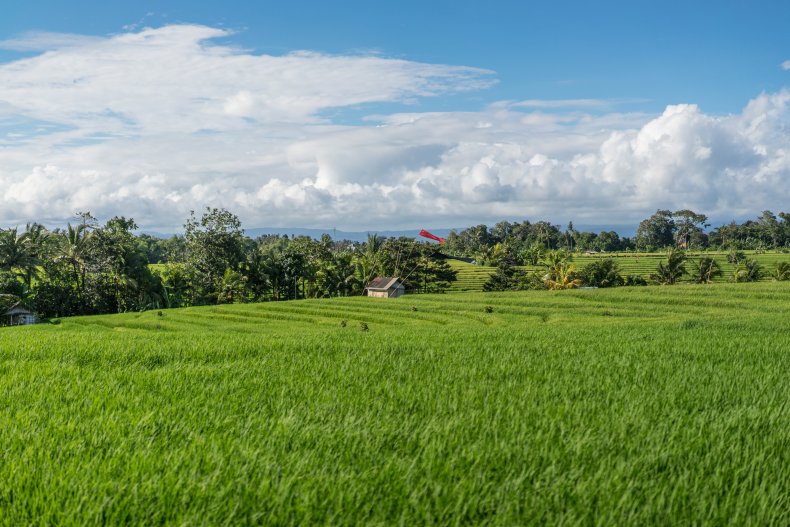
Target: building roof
<point x="19" y="309"/>
<point x="384" y="282"/>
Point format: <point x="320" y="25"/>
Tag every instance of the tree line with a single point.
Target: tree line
<point x="89" y="268"/>
<point x="524" y="242"/>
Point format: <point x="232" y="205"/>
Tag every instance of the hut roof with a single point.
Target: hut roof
<point x="19" y="309"/>
<point x="384" y="282"/>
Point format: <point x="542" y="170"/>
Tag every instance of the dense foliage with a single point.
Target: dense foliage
<point x="524" y="243"/>
<point x="89" y="268"/>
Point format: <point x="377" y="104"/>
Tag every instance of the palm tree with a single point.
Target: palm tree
<point x="706" y="269"/>
<point x="670" y="272"/>
<point x="338" y="276"/>
<point x="560" y="273"/>
<point x="368" y="264"/>
<point x="231" y="288"/>
<point x="748" y="271"/>
<point x="17" y="255"/>
<point x="782" y="271"/>
<point x="562" y="276"/>
<point x="72" y="251"/>
<point x="556" y="258"/>
<point x="37" y="238"/>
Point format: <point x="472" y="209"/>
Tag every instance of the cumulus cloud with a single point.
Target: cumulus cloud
<point x="151" y="124"/>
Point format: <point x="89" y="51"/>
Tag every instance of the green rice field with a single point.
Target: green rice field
<point x="628" y="406"/>
<point x="471" y="277"/>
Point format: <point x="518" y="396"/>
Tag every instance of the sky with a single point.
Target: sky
<point x="371" y="115"/>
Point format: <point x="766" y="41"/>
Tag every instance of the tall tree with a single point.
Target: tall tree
<point x="18" y="255"/>
<point x="72" y="251"/>
<point x="570" y="233"/>
<point x="214" y="243"/>
<point x="119" y="271"/>
<point x="657" y="231"/>
<point x="690" y="229"/>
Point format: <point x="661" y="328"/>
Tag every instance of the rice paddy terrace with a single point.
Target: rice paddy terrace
<point x="471" y="277"/>
<point x="652" y="405"/>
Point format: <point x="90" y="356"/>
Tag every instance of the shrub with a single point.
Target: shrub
<point x="635" y="280"/>
<point x="602" y="273"/>
<point x="510" y="278"/>
<point x="506" y="278"/>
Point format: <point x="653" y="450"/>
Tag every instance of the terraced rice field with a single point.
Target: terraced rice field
<point x="472" y="277"/>
<point x="645" y="264"/>
<point x="632" y="406"/>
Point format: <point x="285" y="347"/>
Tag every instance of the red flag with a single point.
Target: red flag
<point x="426" y="234"/>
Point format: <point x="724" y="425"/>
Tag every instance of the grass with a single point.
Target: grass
<point x="641" y="406"/>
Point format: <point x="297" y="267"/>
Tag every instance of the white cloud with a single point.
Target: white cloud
<point x="154" y="123"/>
<point x="786" y="65"/>
<point x="562" y="103"/>
<point x="174" y="79"/>
<point x="46" y="41"/>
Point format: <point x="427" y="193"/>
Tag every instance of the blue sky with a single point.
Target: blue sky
<point x="720" y="53"/>
<point x="608" y="72"/>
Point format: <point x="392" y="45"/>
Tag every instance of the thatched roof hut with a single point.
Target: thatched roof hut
<point x="19" y="315"/>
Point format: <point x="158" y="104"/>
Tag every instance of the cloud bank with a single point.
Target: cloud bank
<point x="151" y="124"/>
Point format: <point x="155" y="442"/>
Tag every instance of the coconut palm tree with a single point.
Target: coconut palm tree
<point x="368" y="263"/>
<point x="706" y="269"/>
<point x="562" y="276"/>
<point x="670" y="272"/>
<point x="231" y="287"/>
<point x="37" y="239"/>
<point x="555" y="259"/>
<point x="73" y="250"/>
<point x="748" y="271"/>
<point x="17" y="255"/>
<point x="781" y="271"/>
<point x="338" y="276"/>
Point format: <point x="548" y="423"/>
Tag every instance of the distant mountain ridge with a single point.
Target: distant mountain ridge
<point x="354" y="236"/>
<point x="362" y="236"/>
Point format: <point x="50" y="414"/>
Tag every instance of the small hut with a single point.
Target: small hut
<point x="385" y="287"/>
<point x="19" y="315"/>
